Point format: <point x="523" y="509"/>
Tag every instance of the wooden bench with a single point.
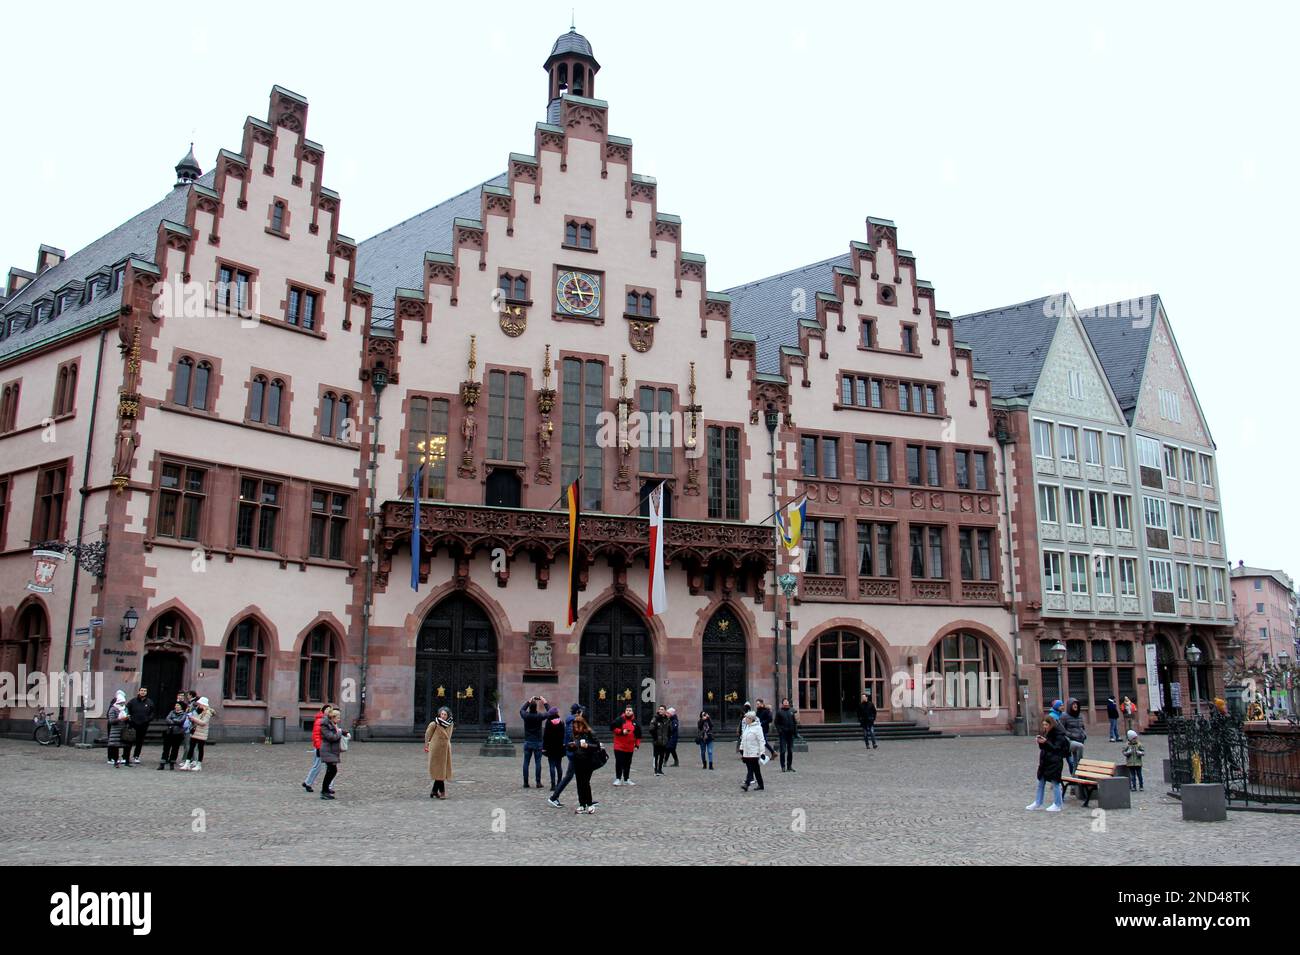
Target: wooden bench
<point x="1087" y="774"/>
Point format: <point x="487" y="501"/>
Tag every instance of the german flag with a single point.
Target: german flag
<point x="575" y="500"/>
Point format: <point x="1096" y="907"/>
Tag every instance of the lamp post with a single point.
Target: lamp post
<point x="788" y="583"/>
<point x="1193" y="658"/>
<point x="1283" y="662"/>
<point x="772" y="418"/>
<point x="129" y="620"/>
<point x="1059" y="651"/>
<point x="378" y="382"/>
<point x="1237" y="692"/>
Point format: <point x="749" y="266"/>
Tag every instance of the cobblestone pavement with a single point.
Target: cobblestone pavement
<point x="957" y="802"/>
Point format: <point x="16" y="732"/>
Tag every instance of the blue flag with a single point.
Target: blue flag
<point x="415" y="533"/>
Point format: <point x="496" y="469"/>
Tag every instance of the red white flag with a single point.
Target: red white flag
<point x="658" y="600"/>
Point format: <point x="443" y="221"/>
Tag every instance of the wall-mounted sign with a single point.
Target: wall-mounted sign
<point x="47" y="565"/>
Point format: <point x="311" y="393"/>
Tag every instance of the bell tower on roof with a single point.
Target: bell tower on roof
<point x="571" y="68"/>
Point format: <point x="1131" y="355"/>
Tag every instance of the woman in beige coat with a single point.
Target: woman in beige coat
<point x="437" y="743"/>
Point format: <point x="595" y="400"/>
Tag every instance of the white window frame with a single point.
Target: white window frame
<point x="1104" y="510"/>
<point x="1092" y="437"/>
<point x="1052" y="495"/>
<point x="1123" y="515"/>
<point x="1219" y="586"/>
<point x="1053" y="572"/>
<point x="1079" y="572"/>
<point x="1162" y="576"/>
<point x="1071" y="494"/>
<point x="1176" y="520"/>
<point x="1102" y="577"/>
<point x="1169" y="461"/>
<point x="1117" y="450"/>
<point x="1207" y="470"/>
<point x="1194" y="523"/>
<point x="1076" y="384"/>
<point x="1155" y="507"/>
<point x="1189" y="466"/>
<point x="1069" y="439"/>
<point x="1128" y="577"/>
<point x="1185" y="582"/>
<point x="1202" y="582"/>
<point x="1043" y="428"/>
<point x="1170" y="406"/>
<point x="1213" y="534"/>
<point x="1148" y="453"/>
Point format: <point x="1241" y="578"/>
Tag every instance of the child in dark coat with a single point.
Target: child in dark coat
<point x="1053" y="747"/>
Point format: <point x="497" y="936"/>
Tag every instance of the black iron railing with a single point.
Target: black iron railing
<point x="1255" y="763"/>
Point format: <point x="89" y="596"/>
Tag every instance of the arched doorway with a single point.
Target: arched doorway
<point x="723" y="668"/>
<point x="166" y="651"/>
<point x="616" y="657"/>
<point x="456" y="663"/>
<point x="834" y="672"/>
<point x="1166" y="671"/>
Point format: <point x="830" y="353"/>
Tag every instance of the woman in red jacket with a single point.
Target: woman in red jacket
<point x="315" y="742"/>
<point x="627" y="738"/>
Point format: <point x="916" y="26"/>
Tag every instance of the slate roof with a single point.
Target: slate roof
<point x="765" y="308"/>
<point x="394" y="258"/>
<point x="138" y="236"/>
<point x="1010" y="344"/>
<point x="572" y="42"/>
<point x="1120" y="334"/>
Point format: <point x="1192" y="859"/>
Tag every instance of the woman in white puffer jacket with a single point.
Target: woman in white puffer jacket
<point x="751" y="748"/>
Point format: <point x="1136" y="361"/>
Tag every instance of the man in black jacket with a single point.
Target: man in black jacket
<point x="139" y="712"/>
<point x="786" y="727"/>
<point x="764" y="714"/>
<point x="867" y="718"/>
<point x="533" y="714"/>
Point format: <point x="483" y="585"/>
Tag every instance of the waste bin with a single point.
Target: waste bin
<point x="277" y="729"/>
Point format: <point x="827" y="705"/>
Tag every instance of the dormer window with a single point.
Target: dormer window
<point x="119" y="274"/>
<point x="62" y="302"/>
<point x="88" y="294"/>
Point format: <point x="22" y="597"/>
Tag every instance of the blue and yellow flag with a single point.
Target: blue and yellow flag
<point x="790" y="521"/>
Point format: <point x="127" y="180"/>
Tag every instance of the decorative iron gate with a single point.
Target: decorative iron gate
<point x="1260" y="764"/>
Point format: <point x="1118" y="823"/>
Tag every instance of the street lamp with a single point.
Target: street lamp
<point x="1058" y="652"/>
<point x="772" y="418"/>
<point x="129" y="620"/>
<point x="378" y="382"/>
<point x="1193" y="658"/>
<point x="1237" y="692"/>
<point x="788" y="583"/>
<point x="1283" y="660"/>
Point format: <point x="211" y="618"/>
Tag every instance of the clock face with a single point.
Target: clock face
<point x="577" y="293"/>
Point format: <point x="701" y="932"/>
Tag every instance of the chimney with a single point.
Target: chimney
<point x="47" y="257"/>
<point x="17" y="279"/>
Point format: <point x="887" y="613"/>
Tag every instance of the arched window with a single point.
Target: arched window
<point x="274" y="396"/>
<point x="184" y="374"/>
<point x="647" y="304"/>
<point x="318" y="668"/>
<point x="256" y="398"/>
<point x="968" y="667"/>
<point x="245" y="676"/>
<point x="33" y="639"/>
<point x="277" y="216"/>
<point x="571" y="233"/>
<point x="328" y="402"/>
<point x="584" y="236"/>
<point x="506" y="284"/>
<point x="199" y="393"/>
<point x="578" y="75"/>
<point x="564" y="77"/>
<point x="521" y="288"/>
<point x="344" y="416"/>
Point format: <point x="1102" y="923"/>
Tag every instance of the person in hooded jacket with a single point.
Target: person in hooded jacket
<point x="627" y="739"/>
<point x="704" y="739"/>
<point x="675" y="735"/>
<point x="661" y="731"/>
<point x="1075" y="731"/>
<point x="533" y="713"/>
<point x="173" y="733"/>
<point x="1052" y="749"/>
<point x="315" y="742"/>
<point x="331" y="751"/>
<point x="751" y="748"/>
<point x="437" y="743"/>
<point x="575" y="711"/>
<point x="787" y="725"/>
<point x="117" y="721"/>
<point x="553" y="745"/>
<point x="200" y="717"/>
<point x="1112" y="714"/>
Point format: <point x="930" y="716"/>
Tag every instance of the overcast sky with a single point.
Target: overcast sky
<point x="1108" y="150"/>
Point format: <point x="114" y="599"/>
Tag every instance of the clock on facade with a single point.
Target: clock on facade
<point x="577" y="293"/>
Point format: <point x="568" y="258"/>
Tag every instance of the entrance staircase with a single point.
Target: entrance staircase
<point x="888" y="730"/>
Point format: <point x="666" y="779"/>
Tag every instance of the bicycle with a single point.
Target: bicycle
<point x="47" y="731"/>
